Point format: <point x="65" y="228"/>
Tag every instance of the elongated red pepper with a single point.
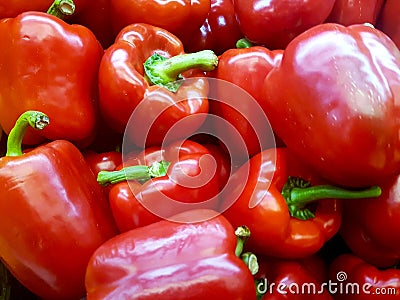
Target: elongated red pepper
<point x="53" y="214"/>
<point x="371" y="226"/>
<point x="183" y="260"/>
<point x="339" y="113"/>
<point x="126" y="87"/>
<point x="272" y="196"/>
<point x="354" y="279"/>
<point x="189" y="181"/>
<point x="49" y="65"/>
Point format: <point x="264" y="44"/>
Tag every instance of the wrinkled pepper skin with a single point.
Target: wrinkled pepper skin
<point x="339" y="113"/>
<point x="49" y="65"/>
<point x="259" y="204"/>
<point x="372" y="283"/>
<point x="371" y="227"/>
<point x="53" y="217"/>
<point x="274" y="23"/>
<point x="176" y="16"/>
<point x="123" y="86"/>
<point x="349" y="12"/>
<point x="171" y="260"/>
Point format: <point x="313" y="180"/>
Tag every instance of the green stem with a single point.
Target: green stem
<point x="250" y="259"/>
<point x="62" y="8"/>
<point x="243" y="43"/>
<point x="298" y="193"/>
<point x="141" y="173"/>
<point x="242" y="234"/>
<point x="261" y="288"/>
<point x="35" y="119"/>
<point x="166" y="71"/>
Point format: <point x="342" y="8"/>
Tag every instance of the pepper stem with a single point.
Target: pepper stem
<point x="298" y="193"/>
<point x="141" y="173"/>
<point x="250" y="259"/>
<point x="62" y="8"/>
<point x="243" y="43"/>
<point x="35" y="119"/>
<point x="242" y="234"/>
<point x="165" y="72"/>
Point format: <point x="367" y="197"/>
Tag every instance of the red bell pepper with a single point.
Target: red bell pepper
<point x="272" y="196"/>
<point x="275" y="23"/>
<point x="279" y="279"/>
<point x="49" y="65"/>
<point x="172" y="260"/>
<point x="354" y="279"/>
<point x="188" y="182"/>
<point x="104" y="161"/>
<point x="125" y="87"/>
<point x="53" y="214"/>
<point x="349" y="12"/>
<point x="388" y="21"/>
<point x="219" y="32"/>
<point x="176" y="16"/>
<point x="339" y="113"/>
<point x="371" y="227"/>
<point x="247" y="69"/>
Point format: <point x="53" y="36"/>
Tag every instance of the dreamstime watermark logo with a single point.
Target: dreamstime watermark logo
<point x="340" y="286"/>
<point x="162" y="117"/>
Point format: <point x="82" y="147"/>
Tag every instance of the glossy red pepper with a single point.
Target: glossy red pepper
<point x="172" y="260"/>
<point x="388" y="21"/>
<point x="189" y="179"/>
<point x="176" y="16"/>
<point x="272" y="196"/>
<point x="274" y="23"/>
<point x="371" y="226"/>
<point x="53" y="214"/>
<point x="52" y="66"/>
<point x="105" y="161"/>
<point x="339" y="113"/>
<point x="349" y="12"/>
<point x="279" y="279"/>
<point x="354" y="279"/>
<point x="125" y="89"/>
<point x="219" y="32"/>
<point x="247" y="69"/>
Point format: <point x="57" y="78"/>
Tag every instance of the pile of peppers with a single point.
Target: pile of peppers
<point x="123" y="175"/>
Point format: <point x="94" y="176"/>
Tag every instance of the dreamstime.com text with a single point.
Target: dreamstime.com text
<point x="332" y="287"/>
